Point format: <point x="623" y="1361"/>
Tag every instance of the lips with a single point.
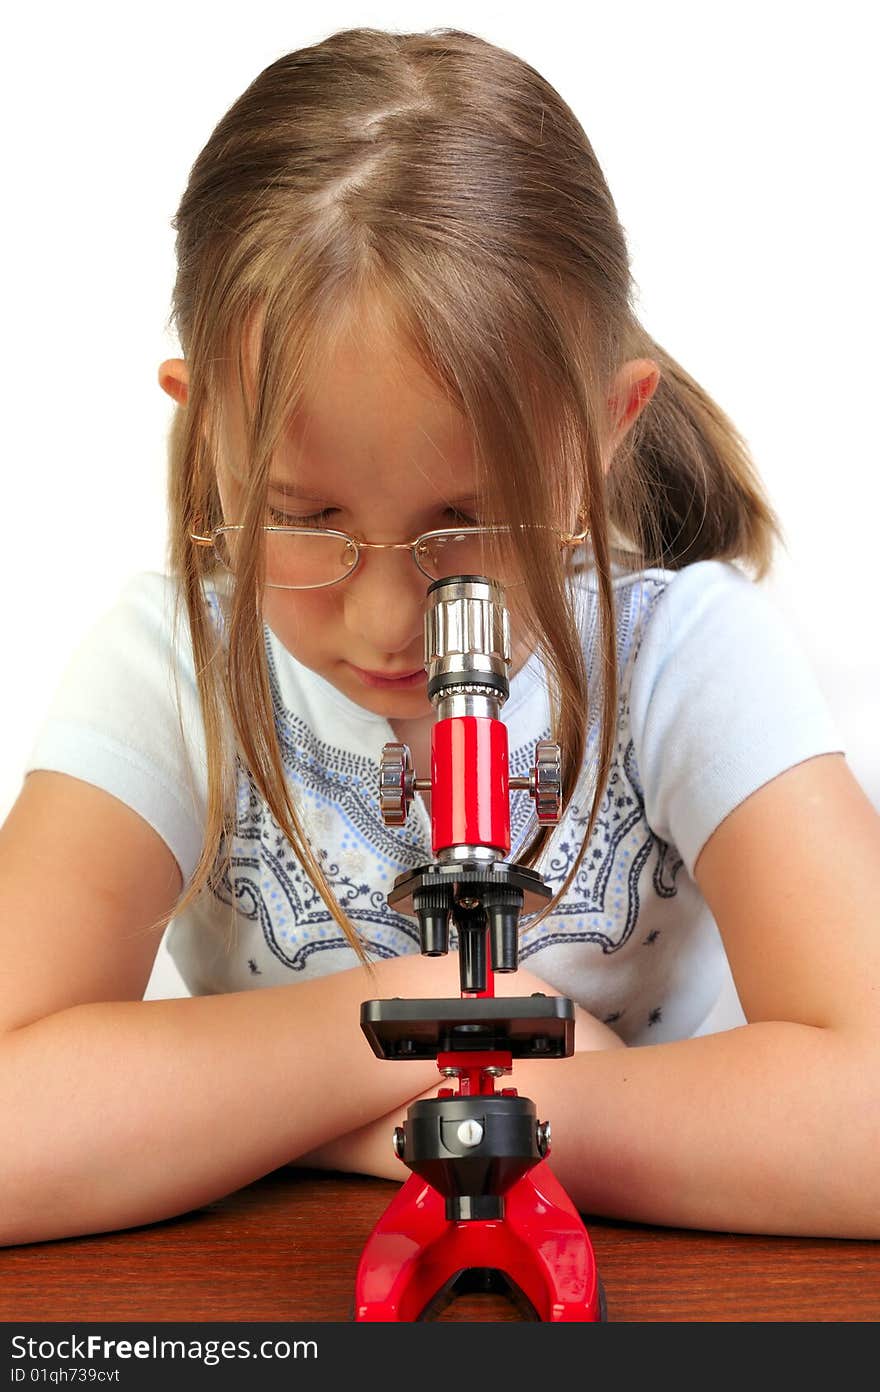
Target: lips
<point x="391" y="676"/>
<point x="413" y="677"/>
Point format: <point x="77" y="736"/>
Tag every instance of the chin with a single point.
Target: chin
<point x="409" y="705"/>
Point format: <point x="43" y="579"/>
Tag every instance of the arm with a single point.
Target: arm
<point x="773" y="1127"/>
<point x="125" y="1111"/>
<point x="368" y="1150"/>
<point x="129" y="1111"/>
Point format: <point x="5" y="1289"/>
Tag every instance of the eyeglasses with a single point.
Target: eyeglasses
<point x="300" y="558"/>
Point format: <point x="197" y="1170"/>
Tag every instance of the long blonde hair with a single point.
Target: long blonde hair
<point x="440" y="178"/>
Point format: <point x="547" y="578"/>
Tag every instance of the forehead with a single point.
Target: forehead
<point x="371" y="412"/>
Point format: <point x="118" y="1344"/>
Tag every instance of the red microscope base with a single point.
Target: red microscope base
<point x="541" y="1246"/>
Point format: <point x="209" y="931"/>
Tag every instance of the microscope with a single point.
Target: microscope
<point x="481" y="1209"/>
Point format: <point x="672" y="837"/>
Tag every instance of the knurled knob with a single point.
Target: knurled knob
<point x="545" y="781"/>
<point x="396" y="783"/>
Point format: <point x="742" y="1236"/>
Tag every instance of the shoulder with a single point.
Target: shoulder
<point x="154" y="597"/>
<point x="126" y="716"/>
<point x="721" y="697"/>
<point x="132" y="675"/>
<point x="144" y="602"/>
<point x="147" y="620"/>
<point x="693" y="619"/>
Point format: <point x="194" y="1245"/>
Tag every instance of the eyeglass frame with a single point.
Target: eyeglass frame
<point x="566" y="539"/>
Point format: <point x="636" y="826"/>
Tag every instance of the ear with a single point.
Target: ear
<point x="634" y="385"/>
<point x="174" y="379"/>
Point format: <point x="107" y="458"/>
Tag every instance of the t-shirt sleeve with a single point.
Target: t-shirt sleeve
<point x="722" y="699"/>
<point x="114" y="719"/>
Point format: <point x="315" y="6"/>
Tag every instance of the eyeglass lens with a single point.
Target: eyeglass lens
<point x="309" y="560"/>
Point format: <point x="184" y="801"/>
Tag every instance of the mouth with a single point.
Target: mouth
<point x="391" y="681"/>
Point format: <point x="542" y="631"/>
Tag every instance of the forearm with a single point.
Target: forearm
<point x="128" y="1112"/>
<point x="368" y="1150"/>
<point x="769" y="1128"/>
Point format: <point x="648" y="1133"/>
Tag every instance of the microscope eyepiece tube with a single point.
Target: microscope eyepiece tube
<point x="467" y="639"/>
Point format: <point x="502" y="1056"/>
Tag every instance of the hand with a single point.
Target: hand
<point x="369" y="1150"/>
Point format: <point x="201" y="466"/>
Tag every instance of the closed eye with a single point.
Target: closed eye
<point x="462" y="517"/>
<point x="286" y="519"/>
<point x="277" y="518"/>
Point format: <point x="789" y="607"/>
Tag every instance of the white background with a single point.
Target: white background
<point x="739" y="143"/>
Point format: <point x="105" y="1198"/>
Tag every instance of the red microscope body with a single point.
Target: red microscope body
<point x="481" y="1209"/>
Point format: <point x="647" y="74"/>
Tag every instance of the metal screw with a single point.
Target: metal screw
<point x="542" y="1135"/>
<point x="470" y="1132"/>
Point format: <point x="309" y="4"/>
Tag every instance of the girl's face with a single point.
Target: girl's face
<point x="378" y="453"/>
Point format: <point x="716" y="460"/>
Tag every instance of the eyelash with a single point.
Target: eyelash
<point x="283" y="519"/>
<point x="318" y="519"/>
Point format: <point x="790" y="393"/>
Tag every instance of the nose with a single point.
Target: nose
<point x="384" y="606"/>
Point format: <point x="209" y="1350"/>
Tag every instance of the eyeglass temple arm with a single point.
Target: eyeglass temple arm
<point x="579" y="536"/>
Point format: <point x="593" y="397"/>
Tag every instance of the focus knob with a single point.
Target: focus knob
<point x="396" y="783"/>
<point x="545" y="781"/>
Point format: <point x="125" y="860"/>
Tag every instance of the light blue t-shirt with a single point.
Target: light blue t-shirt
<point x="716" y="699"/>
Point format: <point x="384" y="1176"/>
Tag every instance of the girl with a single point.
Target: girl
<point x="404" y="303"/>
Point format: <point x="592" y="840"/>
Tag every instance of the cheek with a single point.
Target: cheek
<point x="302" y="621"/>
<point x="517" y="624"/>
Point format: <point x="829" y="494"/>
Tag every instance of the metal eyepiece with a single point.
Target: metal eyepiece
<point x="467" y="638"/>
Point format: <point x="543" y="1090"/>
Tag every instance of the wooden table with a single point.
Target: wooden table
<point x="287" y="1248"/>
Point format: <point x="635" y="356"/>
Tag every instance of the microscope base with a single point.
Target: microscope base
<point x="540" y="1247"/>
